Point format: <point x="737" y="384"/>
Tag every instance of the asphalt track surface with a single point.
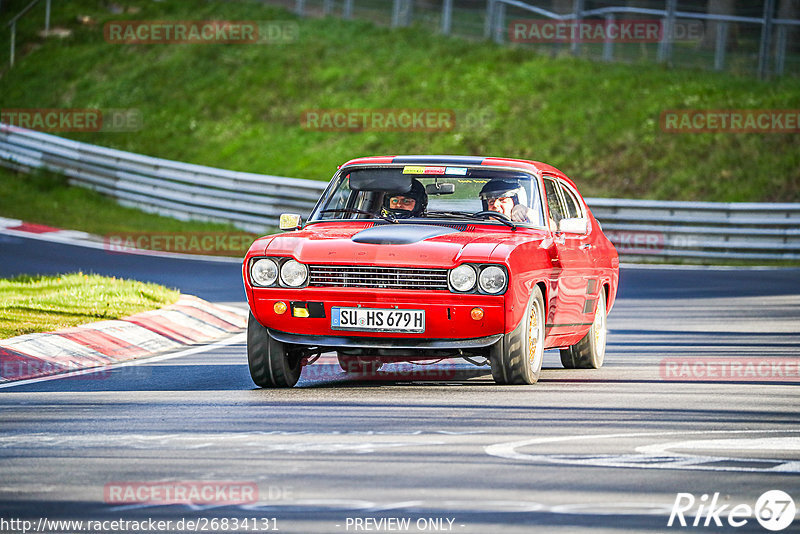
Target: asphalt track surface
<point x="582" y="451"/>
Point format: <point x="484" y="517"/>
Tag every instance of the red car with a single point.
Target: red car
<point x="413" y="258"/>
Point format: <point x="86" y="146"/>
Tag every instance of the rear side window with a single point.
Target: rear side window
<point x="572" y="204"/>
<point x="553" y="203"/>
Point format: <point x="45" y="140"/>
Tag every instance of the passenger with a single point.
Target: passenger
<point x="509" y="198"/>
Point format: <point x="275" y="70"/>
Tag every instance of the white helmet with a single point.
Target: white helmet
<point x="503" y="188"/>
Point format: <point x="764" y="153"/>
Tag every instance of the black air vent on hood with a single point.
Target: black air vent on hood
<point x="400" y="234"/>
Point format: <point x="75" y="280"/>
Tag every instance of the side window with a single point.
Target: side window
<point x="553" y="203"/>
<point x="573" y="205"/>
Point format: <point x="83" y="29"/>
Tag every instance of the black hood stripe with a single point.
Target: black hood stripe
<point x="400" y="234"/>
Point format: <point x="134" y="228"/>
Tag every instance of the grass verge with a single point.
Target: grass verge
<point x="43" y="303"/>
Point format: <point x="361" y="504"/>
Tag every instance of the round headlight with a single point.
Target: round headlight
<point x="294" y="274"/>
<point x="492" y="280"/>
<point x="264" y="272"/>
<point x="463" y="278"/>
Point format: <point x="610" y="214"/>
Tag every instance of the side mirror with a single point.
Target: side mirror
<point x="290" y="221"/>
<point x="573" y="226"/>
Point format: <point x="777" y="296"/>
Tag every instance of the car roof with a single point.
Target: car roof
<point x="535" y="167"/>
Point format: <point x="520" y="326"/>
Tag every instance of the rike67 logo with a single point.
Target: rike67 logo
<point x="774" y="510"/>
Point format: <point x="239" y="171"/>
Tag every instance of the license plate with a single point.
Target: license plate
<point x="378" y="319"/>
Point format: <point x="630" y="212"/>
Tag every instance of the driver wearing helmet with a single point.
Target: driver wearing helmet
<point x="507" y="197"/>
<point x="409" y="204"/>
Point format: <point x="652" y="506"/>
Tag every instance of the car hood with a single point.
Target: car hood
<point x="403" y="244"/>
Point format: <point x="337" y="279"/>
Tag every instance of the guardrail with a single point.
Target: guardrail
<point x="686" y="230"/>
<point x="639" y="228"/>
<point x="250" y="201"/>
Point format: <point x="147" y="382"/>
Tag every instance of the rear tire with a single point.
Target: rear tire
<point x="517" y="358"/>
<point x="271" y="362"/>
<point x="589" y="352"/>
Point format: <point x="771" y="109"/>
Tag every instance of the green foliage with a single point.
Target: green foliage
<point x="238" y="106"/>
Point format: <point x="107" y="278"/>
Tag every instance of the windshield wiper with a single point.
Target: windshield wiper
<point x="479" y="215"/>
<point x="361" y="212"/>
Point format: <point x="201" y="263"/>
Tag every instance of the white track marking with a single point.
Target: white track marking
<point x="784" y="444"/>
<point x="656" y="458"/>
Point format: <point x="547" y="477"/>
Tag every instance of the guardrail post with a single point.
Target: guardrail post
<point x="665" y="46"/>
<point x="608" y="44"/>
<point x="396" y="13"/>
<point x="47" y="17"/>
<point x="347" y="11"/>
<point x="499" y="21"/>
<point x="327" y="7"/>
<point x="300" y="7"/>
<point x="721" y="43"/>
<point x="575" y="45"/>
<point x="488" y="23"/>
<point x="766" y="39"/>
<point x="447" y="16"/>
<point x="780" y="50"/>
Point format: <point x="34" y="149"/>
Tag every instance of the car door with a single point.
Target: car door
<point x="578" y="243"/>
<point x="572" y="255"/>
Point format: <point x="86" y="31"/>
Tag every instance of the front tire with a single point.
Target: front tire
<point x="272" y="364"/>
<point x="519" y="359"/>
<point x="589" y="352"/>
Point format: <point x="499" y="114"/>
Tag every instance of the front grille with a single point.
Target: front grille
<point x="377" y="277"/>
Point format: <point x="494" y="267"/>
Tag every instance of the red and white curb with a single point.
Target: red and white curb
<point x="189" y="321"/>
<point x="22" y="227"/>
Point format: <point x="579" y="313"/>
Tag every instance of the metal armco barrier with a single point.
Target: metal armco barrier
<point x="686" y="230"/>
<point x="250" y="201"/>
<point x="639" y="228"/>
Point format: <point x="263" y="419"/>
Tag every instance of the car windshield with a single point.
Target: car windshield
<point x="416" y="193"/>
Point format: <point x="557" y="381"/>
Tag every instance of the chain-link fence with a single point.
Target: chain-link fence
<point x="760" y="37"/>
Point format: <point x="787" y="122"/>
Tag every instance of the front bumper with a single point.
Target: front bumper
<point x="447" y="315"/>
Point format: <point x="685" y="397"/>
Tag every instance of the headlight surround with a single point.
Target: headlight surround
<point x="463" y="278"/>
<point x="492" y="280"/>
<point x="294" y="273"/>
<point x="263" y="272"/>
